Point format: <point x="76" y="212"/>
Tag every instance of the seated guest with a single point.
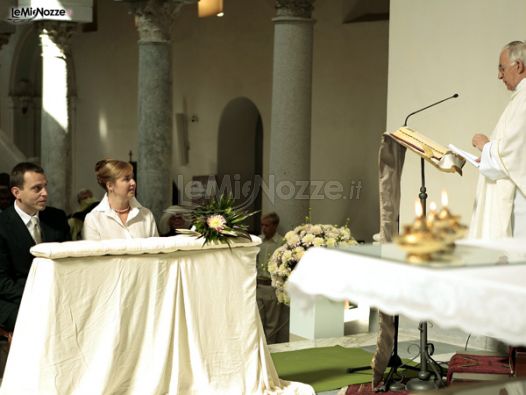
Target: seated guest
<point x="173" y="218"/>
<point x="119" y="215"/>
<point x="86" y="203"/>
<point x="6" y="198"/>
<point x="274" y="315"/>
<point x="27" y="222"/>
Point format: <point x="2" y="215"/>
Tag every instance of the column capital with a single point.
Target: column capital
<point x="60" y="33"/>
<point x="295" y="8"/>
<point x="153" y="18"/>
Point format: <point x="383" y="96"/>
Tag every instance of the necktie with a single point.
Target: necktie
<point x="37" y="235"/>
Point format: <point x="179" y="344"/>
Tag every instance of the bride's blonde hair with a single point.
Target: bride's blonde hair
<point x="109" y="170"/>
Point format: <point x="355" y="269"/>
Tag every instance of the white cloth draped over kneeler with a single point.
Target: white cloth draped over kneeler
<point x="143" y="317"/>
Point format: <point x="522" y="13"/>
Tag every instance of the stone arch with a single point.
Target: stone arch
<point x="240" y="155"/>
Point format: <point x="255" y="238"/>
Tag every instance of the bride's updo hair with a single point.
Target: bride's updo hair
<point x="109" y="170"/>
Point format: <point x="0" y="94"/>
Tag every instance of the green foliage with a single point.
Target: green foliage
<point x="219" y="221"/>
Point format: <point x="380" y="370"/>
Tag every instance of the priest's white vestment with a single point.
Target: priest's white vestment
<point x="500" y="202"/>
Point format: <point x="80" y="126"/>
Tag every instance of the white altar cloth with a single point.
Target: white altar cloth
<point x="143" y="316"/>
<point x="485" y="300"/>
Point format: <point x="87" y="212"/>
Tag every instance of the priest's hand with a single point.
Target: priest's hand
<point x="479" y="141"/>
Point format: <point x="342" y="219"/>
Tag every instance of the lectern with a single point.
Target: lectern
<point x="444" y="160"/>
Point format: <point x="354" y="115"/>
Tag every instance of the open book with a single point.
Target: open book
<point x="437" y="154"/>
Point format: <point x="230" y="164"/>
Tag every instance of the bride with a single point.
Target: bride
<point x="119" y="215"/>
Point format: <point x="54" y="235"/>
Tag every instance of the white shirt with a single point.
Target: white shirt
<point x="26" y="219"/>
<point x="266" y="249"/>
<point x="104" y="223"/>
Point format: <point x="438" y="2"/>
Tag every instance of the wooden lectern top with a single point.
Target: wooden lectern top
<point x="437" y="154"/>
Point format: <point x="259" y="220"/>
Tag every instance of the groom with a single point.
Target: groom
<point x="26" y="223"/>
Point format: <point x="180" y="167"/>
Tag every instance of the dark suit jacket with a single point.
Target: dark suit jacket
<point x="15" y="242"/>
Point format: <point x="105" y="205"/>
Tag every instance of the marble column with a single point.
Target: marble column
<point x="289" y="167"/>
<point x="55" y="38"/>
<point x="153" y="19"/>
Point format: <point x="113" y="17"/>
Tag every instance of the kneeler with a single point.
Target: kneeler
<point x="509" y="365"/>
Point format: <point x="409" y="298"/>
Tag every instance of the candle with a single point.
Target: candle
<point x="418" y="209"/>
<point x="432" y="215"/>
<point x="444" y="212"/>
<point x="420" y="223"/>
<point x="447" y="224"/>
<point x="444" y="198"/>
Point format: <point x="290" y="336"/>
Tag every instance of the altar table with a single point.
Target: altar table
<point x="480" y="288"/>
<point x="144" y="316"/>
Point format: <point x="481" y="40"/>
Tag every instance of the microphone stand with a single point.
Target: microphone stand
<point x="422" y="382"/>
<point x="394" y="363"/>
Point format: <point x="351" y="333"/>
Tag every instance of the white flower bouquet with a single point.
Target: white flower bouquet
<point x="297" y="241"/>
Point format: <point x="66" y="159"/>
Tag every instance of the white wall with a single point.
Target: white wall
<point x="348" y="116"/>
<point x="437" y="48"/>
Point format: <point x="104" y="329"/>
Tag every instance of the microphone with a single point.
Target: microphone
<point x="431" y="105"/>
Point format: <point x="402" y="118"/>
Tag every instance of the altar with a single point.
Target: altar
<point x="480" y="288"/>
<point x="143" y="316"/>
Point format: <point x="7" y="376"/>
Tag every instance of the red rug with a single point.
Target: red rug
<point x="366" y="389"/>
<point x="478" y="364"/>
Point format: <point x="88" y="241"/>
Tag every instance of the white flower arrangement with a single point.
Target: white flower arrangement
<point x="297" y="241"/>
<point x="218" y="221"/>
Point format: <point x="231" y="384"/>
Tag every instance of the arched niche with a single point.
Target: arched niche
<point x="240" y="155"/>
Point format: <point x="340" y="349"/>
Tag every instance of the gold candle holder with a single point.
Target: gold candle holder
<point x="418" y="239"/>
